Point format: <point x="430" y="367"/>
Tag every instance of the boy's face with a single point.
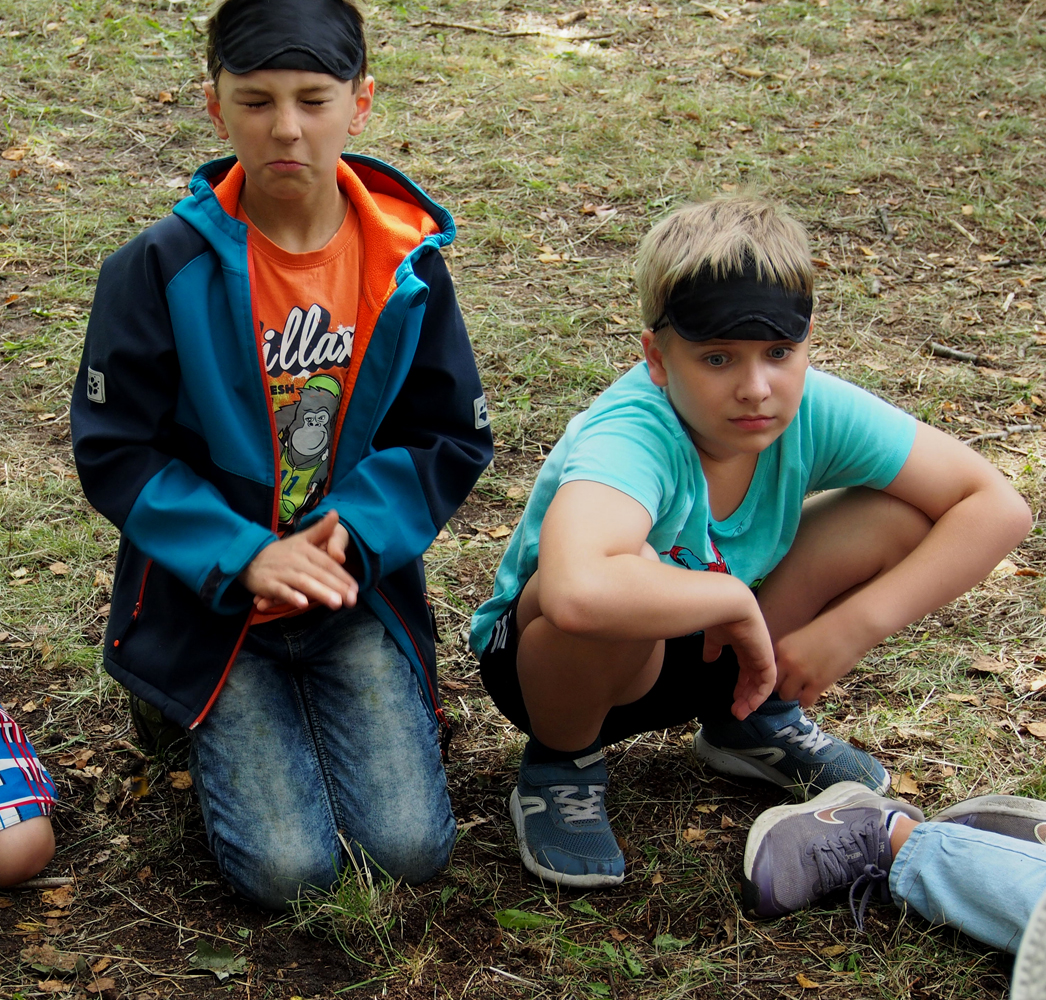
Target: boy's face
<point x="288" y="127"/>
<point x="736" y="397"/>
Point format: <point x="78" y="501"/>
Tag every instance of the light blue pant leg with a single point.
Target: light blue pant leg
<point x="981" y="883"/>
<point x="320" y="729"/>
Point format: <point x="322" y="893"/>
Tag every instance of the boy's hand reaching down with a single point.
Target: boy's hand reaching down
<point x="303" y="567"/>
<point x="755" y="656"/>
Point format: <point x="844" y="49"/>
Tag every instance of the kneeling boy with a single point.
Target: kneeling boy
<point x="279" y="408"/>
<point x="701" y="458"/>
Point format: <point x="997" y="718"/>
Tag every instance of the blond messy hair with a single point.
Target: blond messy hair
<point x="721" y="238"/>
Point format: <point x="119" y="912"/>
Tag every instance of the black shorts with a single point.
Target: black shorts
<point x="686" y="689"/>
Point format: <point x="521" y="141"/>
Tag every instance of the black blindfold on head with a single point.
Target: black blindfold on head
<point x="321" y="36"/>
<point x="740" y="307"/>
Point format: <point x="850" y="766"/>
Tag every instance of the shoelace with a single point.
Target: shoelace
<point x="851" y="859"/>
<point x="813" y="741"/>
<point x="578" y="810"/>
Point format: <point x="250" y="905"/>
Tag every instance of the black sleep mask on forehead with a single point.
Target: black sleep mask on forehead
<point x="321" y="36"/>
<point x="740" y="307"/>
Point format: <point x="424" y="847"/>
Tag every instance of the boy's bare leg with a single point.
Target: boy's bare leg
<point x="846" y="539"/>
<point x="569" y="683"/>
<point x="25" y="849"/>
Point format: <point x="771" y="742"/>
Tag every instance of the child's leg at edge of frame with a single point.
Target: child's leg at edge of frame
<point x="982" y="883"/>
<point x="569" y="682"/>
<point x="846" y="538"/>
<point x="25" y="849"/>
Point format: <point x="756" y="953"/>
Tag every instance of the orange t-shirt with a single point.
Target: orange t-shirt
<point x="305" y="306"/>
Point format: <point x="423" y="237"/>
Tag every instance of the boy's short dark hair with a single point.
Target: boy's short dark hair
<point x="214" y="64"/>
<point x="722" y="238"/>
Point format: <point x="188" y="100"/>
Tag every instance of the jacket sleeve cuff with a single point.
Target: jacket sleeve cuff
<point x="218" y="591"/>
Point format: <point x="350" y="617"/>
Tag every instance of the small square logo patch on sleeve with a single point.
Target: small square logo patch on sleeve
<point x="480" y="407"/>
<point x="95" y="386"/>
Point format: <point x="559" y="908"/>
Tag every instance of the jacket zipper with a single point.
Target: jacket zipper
<point x="137" y="605"/>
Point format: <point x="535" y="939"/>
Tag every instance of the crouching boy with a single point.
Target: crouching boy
<point x="279" y="408"/>
<point x="701" y="459"/>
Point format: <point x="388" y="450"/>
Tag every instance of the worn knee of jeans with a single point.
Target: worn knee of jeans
<point x="413" y="854"/>
<point x="274" y="874"/>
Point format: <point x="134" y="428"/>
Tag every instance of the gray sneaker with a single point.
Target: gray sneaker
<point x="798" y="854"/>
<point x="1010" y="815"/>
<point x="1029" y="971"/>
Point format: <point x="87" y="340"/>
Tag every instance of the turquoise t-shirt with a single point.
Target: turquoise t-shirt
<point x="631" y="439"/>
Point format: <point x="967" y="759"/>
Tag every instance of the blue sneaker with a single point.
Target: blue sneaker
<point x="561" y="823"/>
<point x="788" y="749"/>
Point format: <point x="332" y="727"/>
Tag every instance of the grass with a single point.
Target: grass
<point x="906" y="137"/>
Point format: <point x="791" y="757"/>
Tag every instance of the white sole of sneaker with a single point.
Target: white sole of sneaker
<point x="1029" y="971"/>
<point x="547" y="874"/>
<point x="740" y="765"/>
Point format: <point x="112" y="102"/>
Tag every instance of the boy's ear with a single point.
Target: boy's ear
<point x="655" y="358"/>
<point x="214" y="110"/>
<point x="364" y="103"/>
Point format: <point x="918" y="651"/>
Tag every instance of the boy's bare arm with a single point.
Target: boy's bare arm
<point x="303" y="567"/>
<point x="978" y="517"/>
<point x="594" y="582"/>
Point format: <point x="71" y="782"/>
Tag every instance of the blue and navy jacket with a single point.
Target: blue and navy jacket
<point x="175" y="439"/>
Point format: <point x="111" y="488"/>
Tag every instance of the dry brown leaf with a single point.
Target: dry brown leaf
<point x="986" y="665"/>
<point x="5" y="902"/>
<point x="145" y="874"/>
<point x="58" y="568"/>
<point x="618" y="935"/>
<point x="54" y="986"/>
<point x="501" y="531"/>
<point x="165" y="97"/>
<point x="22" y="571"/>
<point x="752" y="72"/>
<point x="101" y="965"/>
<point x="694" y="834"/>
<point x="13" y="153"/>
<point x="565" y="20"/>
<point x="78" y="759"/>
<point x="180" y="780"/>
<point x="706" y="809"/>
<point x="1005" y="568"/>
<point x="99" y="985"/>
<point x="1037" y="729"/>
<point x="657" y="878"/>
<point x="965" y="699"/>
<point x="61" y="897"/>
<point x="726" y="822"/>
<point x="29" y="706"/>
<point x="833" y="950"/>
<point x="904" y="784"/>
<point x="101" y="579"/>
<point x="806" y="983"/>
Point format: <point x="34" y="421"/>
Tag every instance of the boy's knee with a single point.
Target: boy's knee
<point x="25" y="849"/>
<point x="414" y="854"/>
<point x="274" y="875"/>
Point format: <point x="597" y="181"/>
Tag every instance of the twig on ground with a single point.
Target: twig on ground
<point x="962" y="229"/>
<point x="511" y="975"/>
<point x="498" y="33"/>
<point x="54" y="882"/>
<point x="1005" y="433"/>
<point x="884" y="223"/>
<point x="943" y="351"/>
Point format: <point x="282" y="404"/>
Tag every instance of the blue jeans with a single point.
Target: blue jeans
<point x="321" y="728"/>
<point x="981" y="883"/>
